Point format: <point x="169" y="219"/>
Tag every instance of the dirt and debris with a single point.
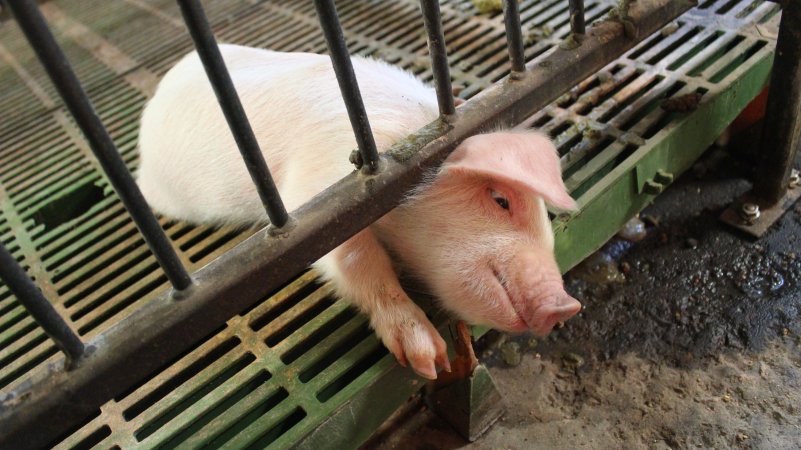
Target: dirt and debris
<point x="510" y="352"/>
<point x="669" y="29"/>
<point x="488" y="6"/>
<point x="682" y="103"/>
<point x="634" y="230"/>
<point x="538" y="33"/>
<point x="695" y="344"/>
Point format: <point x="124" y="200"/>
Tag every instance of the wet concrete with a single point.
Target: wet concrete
<point x="689" y="338"/>
<point x="692" y="288"/>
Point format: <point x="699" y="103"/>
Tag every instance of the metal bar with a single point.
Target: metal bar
<point x="348" y="85"/>
<point x="48" y="406"/>
<point x="223" y="86"/>
<point x="514" y="35"/>
<point x="439" y="56"/>
<point x="58" y="68"/>
<point x="577" y="16"/>
<point x="39" y="308"/>
<point x="781" y="134"/>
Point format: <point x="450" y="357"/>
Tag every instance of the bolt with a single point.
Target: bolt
<point x="750" y="212"/>
<point x="795" y="179"/>
<point x="356" y="159"/>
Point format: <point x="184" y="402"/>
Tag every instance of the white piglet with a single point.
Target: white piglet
<point x="476" y="233"/>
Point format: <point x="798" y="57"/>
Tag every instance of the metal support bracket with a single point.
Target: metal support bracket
<point x="754" y="215"/>
<point x="467" y="398"/>
<point x="776" y="185"/>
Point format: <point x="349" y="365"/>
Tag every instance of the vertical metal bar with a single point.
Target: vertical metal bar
<point x="577" y="16"/>
<point x="348" y="85"/>
<point x="439" y="56"/>
<point x="37" y="305"/>
<point x="223" y="86"/>
<point x="58" y="68"/>
<point x="782" y="125"/>
<point x="514" y="35"/>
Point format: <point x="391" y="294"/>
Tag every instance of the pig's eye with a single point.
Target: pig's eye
<point x="500" y="200"/>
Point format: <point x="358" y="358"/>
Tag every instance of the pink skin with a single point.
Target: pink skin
<point x="373" y="286"/>
<point x="487" y="263"/>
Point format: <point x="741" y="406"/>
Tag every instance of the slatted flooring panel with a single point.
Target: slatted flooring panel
<point x="275" y="372"/>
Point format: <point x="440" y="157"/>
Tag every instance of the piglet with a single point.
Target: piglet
<point x="476" y="233"/>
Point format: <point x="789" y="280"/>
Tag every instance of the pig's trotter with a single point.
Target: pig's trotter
<point x="362" y="273"/>
<point x="409" y="335"/>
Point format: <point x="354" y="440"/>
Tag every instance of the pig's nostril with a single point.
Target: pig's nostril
<point x="547" y="316"/>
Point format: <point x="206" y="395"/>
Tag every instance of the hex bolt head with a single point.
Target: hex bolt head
<point x="795" y="179"/>
<point x="750" y="212"/>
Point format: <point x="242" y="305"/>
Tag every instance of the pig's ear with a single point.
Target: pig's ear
<point x="524" y="160"/>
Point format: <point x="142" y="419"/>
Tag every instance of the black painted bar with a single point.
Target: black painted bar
<point x="577" y="16"/>
<point x="514" y="35"/>
<point x="38" y="307"/>
<point x="781" y="134"/>
<point x="58" y="68"/>
<point x="348" y="85"/>
<point x="223" y="86"/>
<point x="439" y="56"/>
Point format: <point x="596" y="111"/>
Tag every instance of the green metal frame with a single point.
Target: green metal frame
<point x="611" y="186"/>
<point x="619" y="196"/>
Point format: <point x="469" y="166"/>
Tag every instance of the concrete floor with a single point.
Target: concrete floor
<point x="690" y="339"/>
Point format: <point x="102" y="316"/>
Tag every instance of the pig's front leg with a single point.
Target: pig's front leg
<point x="363" y="274"/>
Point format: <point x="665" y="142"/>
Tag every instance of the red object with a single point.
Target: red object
<point x="752" y="113"/>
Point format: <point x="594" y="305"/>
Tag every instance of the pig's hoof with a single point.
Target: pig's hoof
<point x="411" y="337"/>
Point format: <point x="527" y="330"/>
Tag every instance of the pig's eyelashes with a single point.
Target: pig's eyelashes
<point x="502" y="201"/>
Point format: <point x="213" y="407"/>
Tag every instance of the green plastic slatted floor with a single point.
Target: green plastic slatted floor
<point x="297" y="360"/>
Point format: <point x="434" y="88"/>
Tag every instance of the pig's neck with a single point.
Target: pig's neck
<point x="393" y="231"/>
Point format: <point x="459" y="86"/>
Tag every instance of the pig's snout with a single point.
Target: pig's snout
<point x="541" y="298"/>
<point x="547" y="314"/>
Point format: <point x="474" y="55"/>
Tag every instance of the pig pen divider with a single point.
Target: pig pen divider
<point x="57" y="396"/>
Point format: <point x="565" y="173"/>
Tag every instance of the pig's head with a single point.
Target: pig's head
<point x="478" y="233"/>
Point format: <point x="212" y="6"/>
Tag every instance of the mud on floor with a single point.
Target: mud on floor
<point x="690" y="338"/>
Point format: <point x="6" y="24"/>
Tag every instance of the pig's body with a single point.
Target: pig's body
<point x="477" y="234"/>
<point x="191" y="168"/>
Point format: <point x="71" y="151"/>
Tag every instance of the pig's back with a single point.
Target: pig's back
<point x="190" y="167"/>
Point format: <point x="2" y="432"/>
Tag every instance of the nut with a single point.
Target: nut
<point x="795" y="179"/>
<point x="750" y="212"/>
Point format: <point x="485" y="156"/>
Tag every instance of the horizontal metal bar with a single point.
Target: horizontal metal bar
<point x="514" y="35"/>
<point x="39" y="307"/>
<point x="439" y="56"/>
<point x="58" y="68"/>
<point x="348" y="85"/>
<point x="577" y="16"/>
<point x="781" y="133"/>
<point x="223" y="86"/>
<point x="47" y="405"/>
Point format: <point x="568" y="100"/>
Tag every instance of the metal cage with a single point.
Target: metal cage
<point x="58" y="396"/>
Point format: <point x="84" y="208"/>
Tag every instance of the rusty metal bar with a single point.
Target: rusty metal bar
<point x="781" y="134"/>
<point x="60" y="72"/>
<point x="348" y="85"/>
<point x="577" y="17"/>
<point x="514" y="35"/>
<point x="39" y="307"/>
<point x="220" y="79"/>
<point x="439" y="56"/>
<point x="50" y="403"/>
